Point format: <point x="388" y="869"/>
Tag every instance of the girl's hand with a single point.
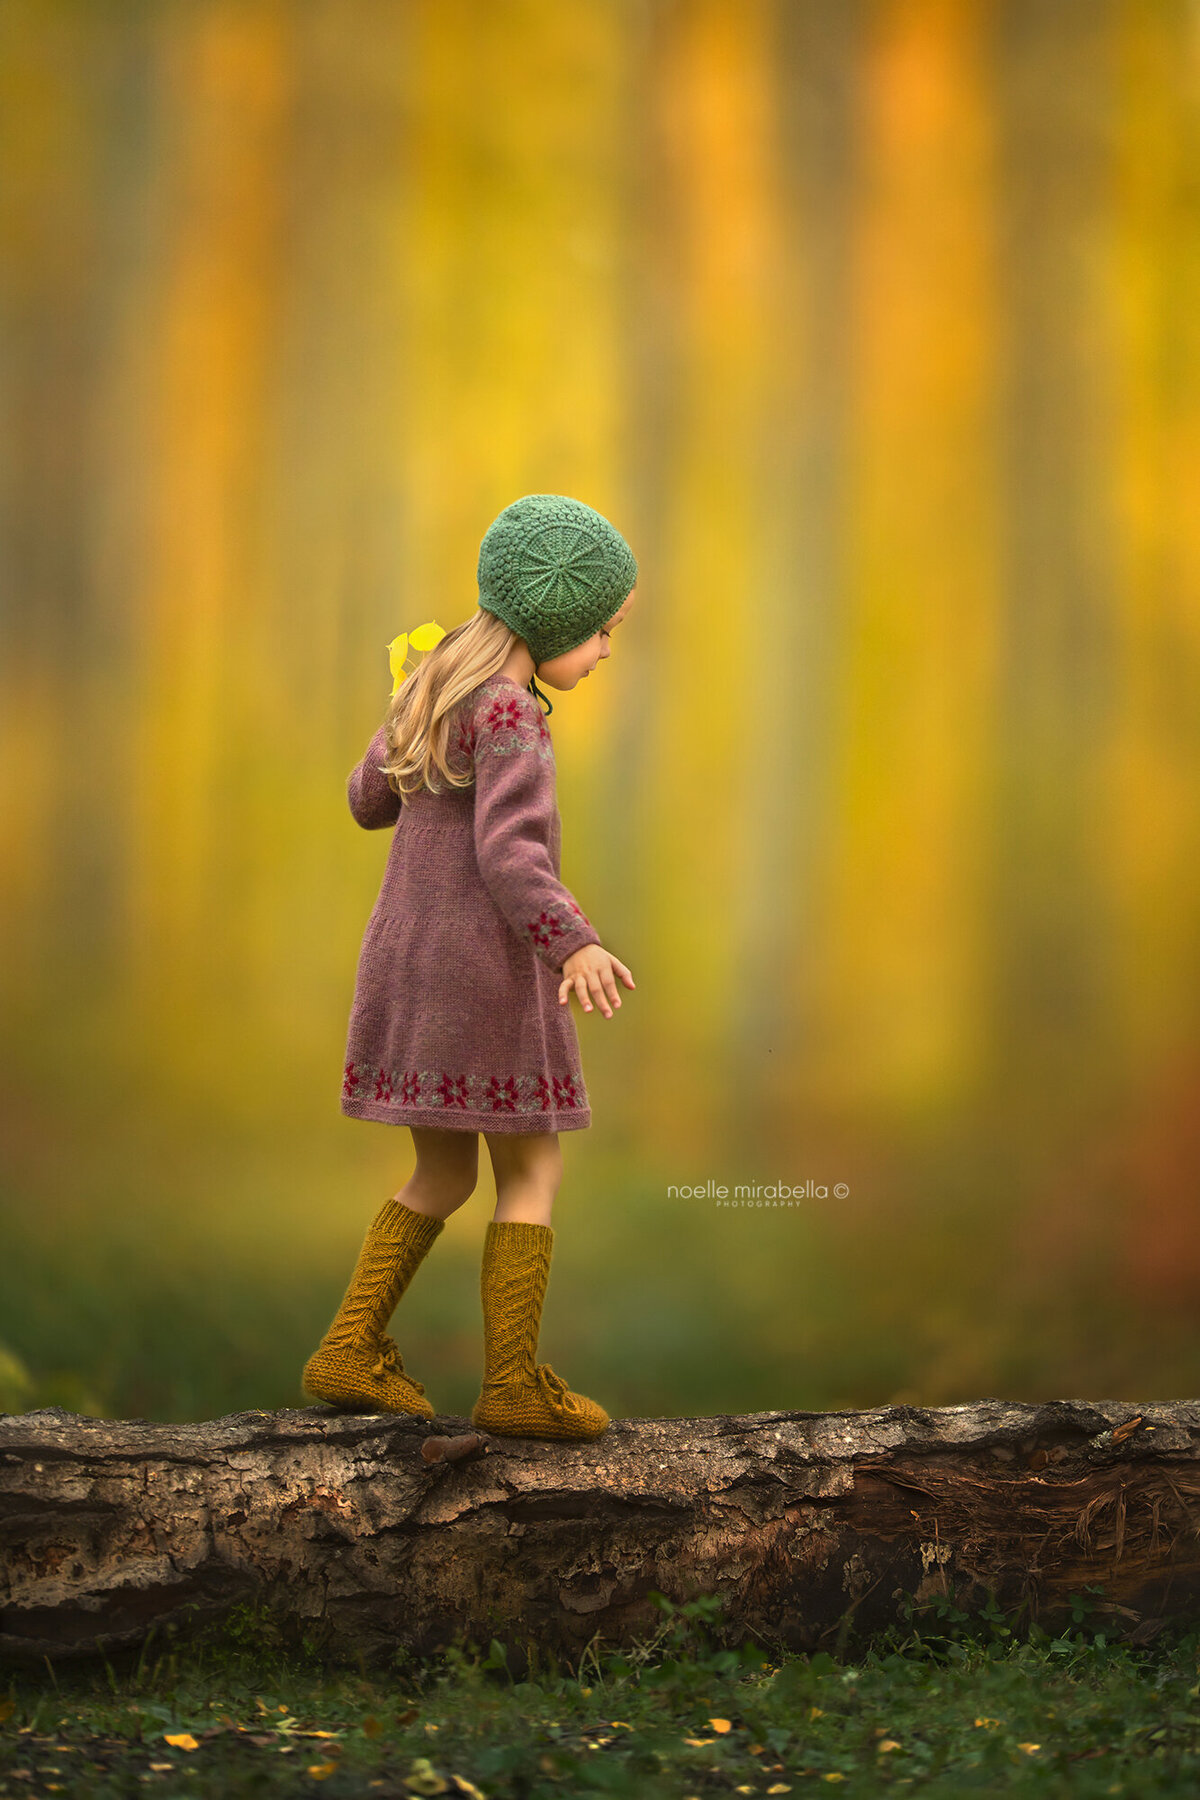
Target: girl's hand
<point x="591" y="970"/>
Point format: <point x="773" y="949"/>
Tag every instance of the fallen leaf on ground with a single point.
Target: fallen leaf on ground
<point x="467" y="1788"/>
<point x="424" y="1778"/>
<point x="182" y="1740"/>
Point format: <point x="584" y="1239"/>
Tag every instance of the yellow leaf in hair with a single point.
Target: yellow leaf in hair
<point x="397" y="651"/>
<point x="426" y="636"/>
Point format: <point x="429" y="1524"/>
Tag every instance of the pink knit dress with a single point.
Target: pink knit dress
<point x="456" y="1021"/>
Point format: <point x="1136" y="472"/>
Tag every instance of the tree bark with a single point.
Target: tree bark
<point x="816" y="1528"/>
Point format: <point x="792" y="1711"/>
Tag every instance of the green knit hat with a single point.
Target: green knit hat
<point x="554" y="570"/>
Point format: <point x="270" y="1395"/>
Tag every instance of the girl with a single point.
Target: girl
<point x="461" y="1019"/>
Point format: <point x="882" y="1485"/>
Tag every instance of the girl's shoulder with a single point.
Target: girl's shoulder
<point x="504" y="718"/>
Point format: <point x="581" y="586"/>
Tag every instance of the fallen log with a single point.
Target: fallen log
<point x="378" y="1533"/>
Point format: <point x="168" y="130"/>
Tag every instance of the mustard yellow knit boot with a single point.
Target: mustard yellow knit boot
<point x="356" y="1366"/>
<point x="520" y="1396"/>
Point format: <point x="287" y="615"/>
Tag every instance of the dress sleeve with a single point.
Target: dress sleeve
<point x="517" y="826"/>
<point x="372" y="801"/>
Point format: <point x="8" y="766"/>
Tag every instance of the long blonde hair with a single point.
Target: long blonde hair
<point x="417" y="722"/>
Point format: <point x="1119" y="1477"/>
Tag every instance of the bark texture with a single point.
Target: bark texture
<point x="378" y="1534"/>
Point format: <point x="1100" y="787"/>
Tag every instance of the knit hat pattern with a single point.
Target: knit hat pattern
<point x="554" y="570"/>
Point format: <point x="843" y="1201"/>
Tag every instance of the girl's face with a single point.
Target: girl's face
<point x="566" y="671"/>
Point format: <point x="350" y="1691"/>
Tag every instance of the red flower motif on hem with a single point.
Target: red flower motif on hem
<point x="410" y="1087"/>
<point x="349" y="1079"/>
<point x="501" y="1094"/>
<point x="564" y="1092"/>
<point x="452" y="1090"/>
<point x="543" y="1093"/>
<point x="383" y="1086"/>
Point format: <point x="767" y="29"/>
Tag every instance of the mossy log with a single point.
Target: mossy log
<point x="370" y="1534"/>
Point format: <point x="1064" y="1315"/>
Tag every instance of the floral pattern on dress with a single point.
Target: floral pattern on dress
<point x="428" y="1090"/>
<point x="509" y="721"/>
<point x="555" y="922"/>
<point x="464" y="740"/>
<point x="451" y="1090"/>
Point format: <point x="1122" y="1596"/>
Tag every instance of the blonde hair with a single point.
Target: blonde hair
<point x="417" y="722"/>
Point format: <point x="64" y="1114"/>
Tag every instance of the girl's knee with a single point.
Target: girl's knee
<point x="533" y="1156"/>
<point x="456" y="1186"/>
<point x="447" y="1165"/>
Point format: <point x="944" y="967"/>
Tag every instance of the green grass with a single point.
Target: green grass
<point x="947" y="1709"/>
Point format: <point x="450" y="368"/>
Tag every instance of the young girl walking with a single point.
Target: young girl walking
<point x="461" y="1019"/>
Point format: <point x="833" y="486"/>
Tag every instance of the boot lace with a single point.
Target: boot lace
<point x="390" y="1362"/>
<point x="556" y="1389"/>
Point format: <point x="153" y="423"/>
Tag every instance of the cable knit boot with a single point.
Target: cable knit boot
<point x="356" y="1366"/>
<point x="522" y="1397"/>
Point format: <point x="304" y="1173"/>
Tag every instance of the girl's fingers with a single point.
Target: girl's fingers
<point x="597" y="987"/>
<point x="598" y="982"/>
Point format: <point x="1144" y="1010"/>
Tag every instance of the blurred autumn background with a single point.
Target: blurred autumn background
<point x="875" y="327"/>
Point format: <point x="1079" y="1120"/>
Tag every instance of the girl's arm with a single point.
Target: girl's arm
<point x="371" y="799"/>
<point x="515" y="820"/>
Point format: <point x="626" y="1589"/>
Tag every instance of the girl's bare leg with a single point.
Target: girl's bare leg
<point x="446" y="1172"/>
<point x="528" y="1169"/>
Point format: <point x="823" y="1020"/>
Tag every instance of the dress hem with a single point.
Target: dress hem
<point x="457" y="1118"/>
